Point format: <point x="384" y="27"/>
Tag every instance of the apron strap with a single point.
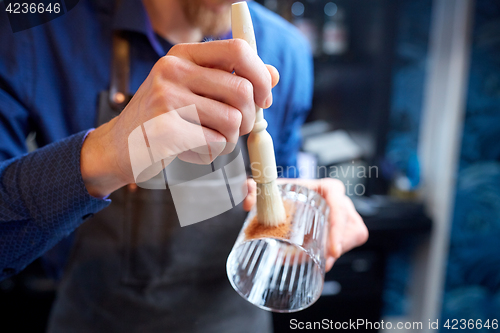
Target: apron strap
<point x="120" y="71"/>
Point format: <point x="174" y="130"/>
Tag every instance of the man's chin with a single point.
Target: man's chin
<point x="221" y="5"/>
<point x="218" y="22"/>
<point x="220" y="8"/>
<point x="213" y="18"/>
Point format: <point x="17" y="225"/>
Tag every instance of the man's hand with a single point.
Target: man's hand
<point x="347" y="229"/>
<point x="199" y="74"/>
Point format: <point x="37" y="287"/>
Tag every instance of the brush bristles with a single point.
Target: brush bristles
<point x="270" y="208"/>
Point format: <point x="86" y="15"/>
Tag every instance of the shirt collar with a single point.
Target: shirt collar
<point x="132" y="16"/>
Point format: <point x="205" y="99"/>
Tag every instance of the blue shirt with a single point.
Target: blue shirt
<point x="50" y="79"/>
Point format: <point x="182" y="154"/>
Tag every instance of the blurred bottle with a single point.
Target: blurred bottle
<point x="302" y="18"/>
<point x="335" y="34"/>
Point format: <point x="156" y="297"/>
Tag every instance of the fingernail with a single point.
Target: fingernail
<point x="329" y="263"/>
<point x="269" y="101"/>
<point x="338" y="249"/>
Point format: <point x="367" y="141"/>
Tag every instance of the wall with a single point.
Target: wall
<point x="473" y="274"/>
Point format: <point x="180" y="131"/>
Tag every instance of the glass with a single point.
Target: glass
<point x="282" y="269"/>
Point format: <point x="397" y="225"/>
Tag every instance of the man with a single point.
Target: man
<point x="132" y="268"/>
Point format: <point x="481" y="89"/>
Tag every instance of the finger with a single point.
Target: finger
<point x="196" y="158"/>
<point x="338" y="221"/>
<point x="333" y="191"/>
<point x="356" y="232"/>
<point x="329" y="263"/>
<point x="203" y="154"/>
<point x="275" y="75"/>
<point x="324" y="187"/>
<point x="232" y="55"/>
<point x="233" y="90"/>
<point x="206" y="154"/>
<point x="251" y="198"/>
<point x="184" y="137"/>
<point x="191" y="141"/>
<point x="215" y="115"/>
<point x="212" y="149"/>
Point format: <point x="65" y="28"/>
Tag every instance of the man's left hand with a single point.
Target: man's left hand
<point x="347" y="229"/>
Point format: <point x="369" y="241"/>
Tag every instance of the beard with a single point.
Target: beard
<point x="211" y="22"/>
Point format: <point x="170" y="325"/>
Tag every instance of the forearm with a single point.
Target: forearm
<point x="42" y="200"/>
<point x="101" y="172"/>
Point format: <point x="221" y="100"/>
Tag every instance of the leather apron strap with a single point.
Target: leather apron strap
<point x="113" y="101"/>
<point x="120" y="71"/>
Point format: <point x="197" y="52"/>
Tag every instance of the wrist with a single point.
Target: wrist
<point x="98" y="163"/>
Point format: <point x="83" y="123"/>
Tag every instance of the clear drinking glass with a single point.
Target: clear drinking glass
<point x="283" y="269"/>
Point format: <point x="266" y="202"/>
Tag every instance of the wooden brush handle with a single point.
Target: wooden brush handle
<point x="260" y="143"/>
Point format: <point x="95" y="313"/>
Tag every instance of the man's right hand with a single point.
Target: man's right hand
<point x="199" y="74"/>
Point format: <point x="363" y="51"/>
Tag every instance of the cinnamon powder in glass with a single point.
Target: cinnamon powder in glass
<point x="257" y="230"/>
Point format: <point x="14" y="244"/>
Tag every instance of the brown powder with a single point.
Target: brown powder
<point x="257" y="230"/>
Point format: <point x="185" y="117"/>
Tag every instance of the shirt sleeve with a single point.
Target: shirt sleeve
<point x="42" y="194"/>
<point x="297" y="69"/>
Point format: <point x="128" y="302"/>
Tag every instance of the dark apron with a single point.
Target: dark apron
<point x="134" y="269"/>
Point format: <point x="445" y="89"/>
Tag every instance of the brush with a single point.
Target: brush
<point x="270" y="208"/>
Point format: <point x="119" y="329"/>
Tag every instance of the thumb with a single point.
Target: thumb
<point x="275" y="75"/>
<point x="251" y="198"/>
